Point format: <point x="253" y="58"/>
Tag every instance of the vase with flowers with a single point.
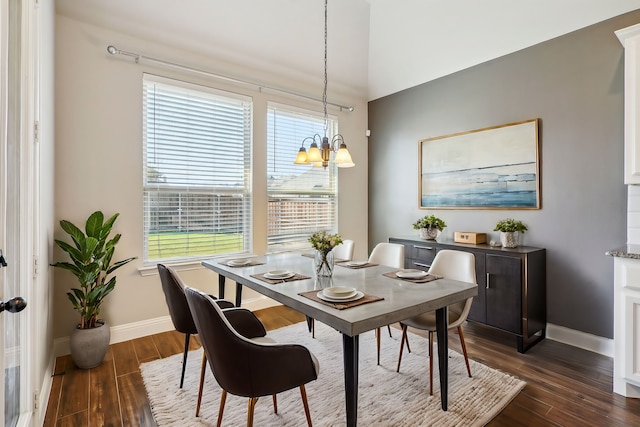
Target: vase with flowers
<point x="324" y="243"/>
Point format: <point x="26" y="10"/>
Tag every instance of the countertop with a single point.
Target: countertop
<point x="628" y="251"/>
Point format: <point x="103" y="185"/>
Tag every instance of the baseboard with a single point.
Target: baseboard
<point x="157" y="325"/>
<point x="45" y="392"/>
<point x="580" y="339"/>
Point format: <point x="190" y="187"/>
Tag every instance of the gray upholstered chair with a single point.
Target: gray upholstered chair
<point x="246" y="367"/>
<point x="454" y="265"/>
<point x="173" y="289"/>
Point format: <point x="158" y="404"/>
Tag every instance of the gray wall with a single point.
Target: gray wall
<point x="574" y="84"/>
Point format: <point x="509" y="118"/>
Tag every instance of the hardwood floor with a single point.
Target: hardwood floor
<point x="566" y="386"/>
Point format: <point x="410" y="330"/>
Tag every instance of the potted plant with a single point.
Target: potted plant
<point x="324" y="243"/>
<point x="429" y="226"/>
<point x="509" y="229"/>
<point x="90" y="254"/>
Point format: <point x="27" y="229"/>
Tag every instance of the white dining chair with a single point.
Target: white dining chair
<point x="454" y="265"/>
<point x="391" y="255"/>
<point x="344" y="251"/>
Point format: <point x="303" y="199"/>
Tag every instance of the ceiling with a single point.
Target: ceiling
<point x="376" y="47"/>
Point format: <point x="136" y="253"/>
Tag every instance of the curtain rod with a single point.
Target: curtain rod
<point x="115" y="51"/>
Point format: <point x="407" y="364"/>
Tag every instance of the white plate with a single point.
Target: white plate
<point x="339" y="297"/>
<point x="238" y="262"/>
<point x="338" y="291"/>
<point x="411" y="274"/>
<point x="357" y="263"/>
<point x="278" y="274"/>
<point x="356" y="297"/>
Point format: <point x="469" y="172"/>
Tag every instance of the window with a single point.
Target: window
<point x="197" y="167"/>
<point x="302" y="199"/>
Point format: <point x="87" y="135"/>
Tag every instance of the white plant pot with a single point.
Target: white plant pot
<point x="429" y="233"/>
<point x="509" y="239"/>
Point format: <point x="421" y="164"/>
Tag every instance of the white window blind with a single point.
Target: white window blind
<point x="197" y="166"/>
<point x="302" y="199"/>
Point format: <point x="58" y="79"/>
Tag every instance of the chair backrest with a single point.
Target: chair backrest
<point x="173" y="288"/>
<point x="460" y="266"/>
<point x="389" y="254"/>
<point x="242" y="366"/>
<point x="344" y="251"/>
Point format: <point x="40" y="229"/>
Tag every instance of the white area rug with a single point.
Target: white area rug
<point x="386" y="398"/>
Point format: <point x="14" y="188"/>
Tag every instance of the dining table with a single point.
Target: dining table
<point x="390" y="299"/>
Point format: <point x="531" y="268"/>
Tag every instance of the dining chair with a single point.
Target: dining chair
<point x="391" y="255"/>
<point x="173" y="289"/>
<point x="453" y="265"/>
<point x="246" y="367"/>
<point x="344" y="251"/>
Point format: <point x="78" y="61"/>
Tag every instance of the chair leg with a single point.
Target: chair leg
<point x="223" y="399"/>
<point x="275" y="404"/>
<point x="313" y="328"/>
<point x="184" y="357"/>
<point x="303" y="392"/>
<point x="430" y="363"/>
<point x="389" y="328"/>
<point x="203" y="370"/>
<point x="464" y="350"/>
<point x="406" y="339"/>
<point x="404" y="334"/>
<point x="378" y="343"/>
<point x="252" y="406"/>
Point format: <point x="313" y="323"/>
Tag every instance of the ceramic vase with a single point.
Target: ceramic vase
<point x="429" y="233"/>
<point x="323" y="264"/>
<point x="509" y="239"/>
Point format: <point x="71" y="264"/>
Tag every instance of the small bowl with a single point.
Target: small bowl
<point x="338" y="290"/>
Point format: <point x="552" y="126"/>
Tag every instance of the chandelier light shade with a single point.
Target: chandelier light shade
<point x="321" y="148"/>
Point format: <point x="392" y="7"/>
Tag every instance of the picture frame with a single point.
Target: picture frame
<point x="491" y="168"/>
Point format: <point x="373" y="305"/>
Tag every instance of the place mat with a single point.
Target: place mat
<point x="249" y="264"/>
<point x="367" y="298"/>
<point x="425" y="279"/>
<point x="276" y="281"/>
<point x="355" y="267"/>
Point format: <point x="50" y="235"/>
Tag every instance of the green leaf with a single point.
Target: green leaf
<point x="119" y="264"/>
<point x="93" y="227"/>
<point x="76" y="234"/>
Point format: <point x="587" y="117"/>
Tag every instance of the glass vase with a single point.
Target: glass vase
<point x="323" y="264"/>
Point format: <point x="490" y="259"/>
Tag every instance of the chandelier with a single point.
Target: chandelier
<point x="320" y="148"/>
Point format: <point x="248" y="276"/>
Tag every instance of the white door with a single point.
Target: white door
<point x="14" y="276"/>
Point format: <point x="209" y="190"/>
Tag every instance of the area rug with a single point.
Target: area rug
<point x="386" y="398"/>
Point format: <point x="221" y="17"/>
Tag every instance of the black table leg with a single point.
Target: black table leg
<point x="238" y="294"/>
<point x="309" y="323"/>
<point x="443" y="354"/>
<point x="221" y="280"/>
<point x="350" y="355"/>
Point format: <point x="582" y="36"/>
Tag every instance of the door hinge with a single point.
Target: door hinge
<point x="35" y="399"/>
<point x="36" y="132"/>
<point x="35" y="266"/>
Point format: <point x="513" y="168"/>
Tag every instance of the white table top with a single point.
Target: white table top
<point x="402" y="299"/>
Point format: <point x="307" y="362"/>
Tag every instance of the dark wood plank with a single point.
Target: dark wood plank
<point x="79" y="419"/>
<point x="169" y="343"/>
<point x="134" y="401"/>
<point x="145" y="348"/>
<point x="124" y="357"/>
<point x="104" y="409"/>
<point x="74" y="396"/>
<point x="51" y="415"/>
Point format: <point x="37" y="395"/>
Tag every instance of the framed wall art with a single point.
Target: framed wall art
<point x="491" y="168"/>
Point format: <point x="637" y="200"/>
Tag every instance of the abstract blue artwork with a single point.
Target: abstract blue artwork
<point x="492" y="168"/>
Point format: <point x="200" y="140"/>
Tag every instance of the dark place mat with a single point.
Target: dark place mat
<point x="367" y="298"/>
<point x="276" y="281"/>
<point x="425" y="279"/>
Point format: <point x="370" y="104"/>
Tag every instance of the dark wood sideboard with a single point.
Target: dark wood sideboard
<point x="511" y="285"/>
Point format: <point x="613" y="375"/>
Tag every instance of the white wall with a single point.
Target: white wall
<point x="99" y="158"/>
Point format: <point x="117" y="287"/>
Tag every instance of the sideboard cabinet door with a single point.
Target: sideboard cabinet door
<point x="504" y="292"/>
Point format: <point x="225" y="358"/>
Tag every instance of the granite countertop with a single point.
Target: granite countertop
<point x="628" y="251"/>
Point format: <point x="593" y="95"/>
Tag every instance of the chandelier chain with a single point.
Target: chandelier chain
<point x="324" y="92"/>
